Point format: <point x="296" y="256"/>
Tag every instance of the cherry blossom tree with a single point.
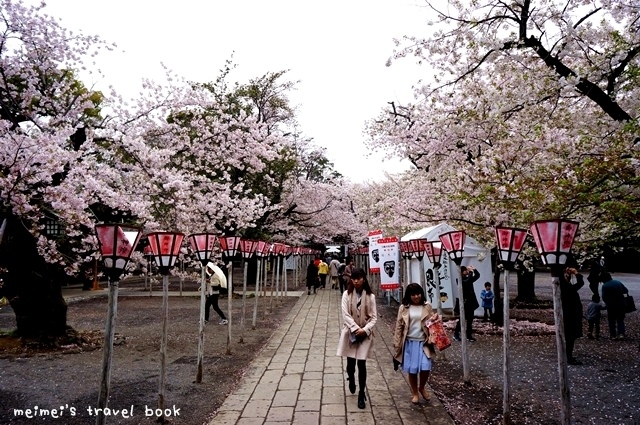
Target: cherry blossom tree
<point x="531" y="113"/>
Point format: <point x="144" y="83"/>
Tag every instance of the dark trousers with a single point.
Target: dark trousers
<point x="343" y="284"/>
<point x="569" y="343"/>
<point x="362" y="371"/>
<point x="594" y="325"/>
<point x="212" y="300"/>
<point x="616" y="322"/>
<point x="488" y="313"/>
<point x="323" y="280"/>
<point x="469" y="318"/>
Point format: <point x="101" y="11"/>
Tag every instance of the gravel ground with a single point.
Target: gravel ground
<point x="70" y="377"/>
<point x="603" y="391"/>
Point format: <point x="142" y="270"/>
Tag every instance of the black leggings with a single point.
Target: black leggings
<point x="212" y="301"/>
<point x="362" y="371"/>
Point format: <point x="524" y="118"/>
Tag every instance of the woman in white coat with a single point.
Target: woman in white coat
<point x="356" y="339"/>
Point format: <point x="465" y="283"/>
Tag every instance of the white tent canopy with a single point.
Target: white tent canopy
<point x="474" y="254"/>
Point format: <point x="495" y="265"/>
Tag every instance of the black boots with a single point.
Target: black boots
<point x="352" y="383"/>
<point x="361" y="399"/>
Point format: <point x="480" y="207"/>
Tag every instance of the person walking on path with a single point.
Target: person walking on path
<point x="346" y="274"/>
<point x="356" y="338"/>
<point x="323" y="271"/>
<point x="571" y="310"/>
<point x="312" y="278"/>
<point x="593" y="315"/>
<point x="486" y="295"/>
<point x="218" y="280"/>
<point x="469" y="275"/>
<point x="413" y="347"/>
<point x="613" y="293"/>
<point x="334" y="265"/>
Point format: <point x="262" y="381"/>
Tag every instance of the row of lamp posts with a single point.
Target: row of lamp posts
<point x="553" y="239"/>
<point x="117" y="243"/>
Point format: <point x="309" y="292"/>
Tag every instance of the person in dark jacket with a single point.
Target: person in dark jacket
<point x="595" y="275"/>
<point x="469" y="275"/>
<point x="312" y="278"/>
<point x="571" y="310"/>
<point x="613" y="293"/>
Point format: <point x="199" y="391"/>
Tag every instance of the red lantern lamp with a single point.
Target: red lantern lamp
<point x="116" y="242"/>
<point x="434" y="252"/>
<point x="202" y="244"/>
<point x="165" y="247"/>
<point x="510" y="241"/>
<point x="230" y="245"/>
<point x="554" y="239"/>
<point x="453" y="243"/>
<point x="248" y="248"/>
<point x="417" y="247"/>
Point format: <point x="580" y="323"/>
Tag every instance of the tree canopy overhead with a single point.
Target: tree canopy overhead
<point x="531" y="114"/>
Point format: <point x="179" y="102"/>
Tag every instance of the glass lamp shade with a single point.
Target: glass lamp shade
<point x="433" y="251"/>
<point x="116" y="242"/>
<point x="166" y="248"/>
<point x="247" y="248"/>
<point x="230" y="245"/>
<point x="554" y="239"/>
<point x="202" y="244"/>
<point x="453" y="243"/>
<point x="510" y="241"/>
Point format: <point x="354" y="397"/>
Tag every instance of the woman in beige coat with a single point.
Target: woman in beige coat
<point x="413" y="347"/>
<point x="356" y="339"/>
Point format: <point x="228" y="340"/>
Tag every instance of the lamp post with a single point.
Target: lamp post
<point x="434" y="252"/>
<point x="287" y="252"/>
<point x="554" y="239"/>
<point x="165" y="247"/>
<point x="247" y="249"/>
<point x="202" y="244"/>
<point x="417" y="248"/>
<point x="406" y="254"/>
<point x="116" y="243"/>
<point x="509" y="242"/>
<point x="453" y="243"/>
<point x="229" y="246"/>
<point x="259" y="249"/>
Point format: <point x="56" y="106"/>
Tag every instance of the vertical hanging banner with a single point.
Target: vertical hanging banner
<point x="390" y="260"/>
<point x="374" y="251"/>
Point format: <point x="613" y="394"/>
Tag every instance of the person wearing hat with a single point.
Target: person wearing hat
<point x="217" y="280"/>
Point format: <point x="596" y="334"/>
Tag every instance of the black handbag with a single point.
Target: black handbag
<point x="629" y="304"/>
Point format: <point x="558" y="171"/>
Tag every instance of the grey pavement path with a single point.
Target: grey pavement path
<point x="298" y="379"/>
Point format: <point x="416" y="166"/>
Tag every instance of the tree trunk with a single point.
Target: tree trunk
<point x="32" y="286"/>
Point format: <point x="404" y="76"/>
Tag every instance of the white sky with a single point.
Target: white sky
<point x="336" y="48"/>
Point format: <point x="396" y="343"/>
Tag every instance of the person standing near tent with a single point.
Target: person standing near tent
<point x="217" y="281"/>
<point x="469" y="275"/>
<point x="356" y="338"/>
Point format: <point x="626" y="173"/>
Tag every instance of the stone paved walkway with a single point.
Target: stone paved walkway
<point x="297" y="378"/>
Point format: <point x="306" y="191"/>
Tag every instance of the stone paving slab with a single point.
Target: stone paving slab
<point x="298" y="379"/>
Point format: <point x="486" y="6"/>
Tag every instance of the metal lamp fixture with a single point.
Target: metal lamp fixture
<point x="230" y="245"/>
<point x="510" y="241"/>
<point x="453" y="243"/>
<point x="554" y="239"/>
<point x="202" y="244"/>
<point x="116" y="242"/>
<point x="165" y="247"/>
